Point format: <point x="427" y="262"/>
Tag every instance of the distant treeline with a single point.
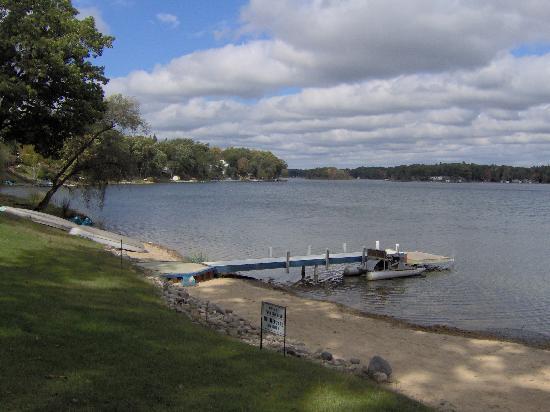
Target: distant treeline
<point x="322" y="173"/>
<point x="454" y="172"/>
<point x="144" y="157"/>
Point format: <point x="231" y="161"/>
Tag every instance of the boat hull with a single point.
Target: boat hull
<point x="391" y="274"/>
<point x="107" y="238"/>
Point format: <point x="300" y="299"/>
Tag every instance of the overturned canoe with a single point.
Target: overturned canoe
<point x="108" y="238"/>
<point x="39" y="217"/>
<point x="390" y="274"/>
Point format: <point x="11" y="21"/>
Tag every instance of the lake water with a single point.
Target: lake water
<point x="498" y="234"/>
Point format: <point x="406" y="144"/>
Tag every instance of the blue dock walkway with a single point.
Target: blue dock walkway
<point x="282" y="262"/>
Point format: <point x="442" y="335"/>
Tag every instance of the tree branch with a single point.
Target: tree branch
<point x="79" y="152"/>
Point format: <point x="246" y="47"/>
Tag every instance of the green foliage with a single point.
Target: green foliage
<point x="100" y="155"/>
<point x="147" y="157"/>
<point x="35" y="162"/>
<point x="466" y="172"/>
<point x="252" y="163"/>
<point x="189" y="159"/>
<point x="50" y="89"/>
<point x="122" y="114"/>
<point x="28" y="156"/>
<point x="322" y="173"/>
<point x="4" y="158"/>
<point x="107" y="159"/>
<point x="77" y="332"/>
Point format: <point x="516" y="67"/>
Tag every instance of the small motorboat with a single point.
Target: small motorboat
<point x="392" y="263"/>
<point x="389" y="264"/>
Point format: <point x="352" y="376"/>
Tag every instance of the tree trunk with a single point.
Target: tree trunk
<point x="46" y="201"/>
<point x="65" y="173"/>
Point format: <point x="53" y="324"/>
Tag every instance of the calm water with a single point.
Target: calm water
<point x="498" y="234"/>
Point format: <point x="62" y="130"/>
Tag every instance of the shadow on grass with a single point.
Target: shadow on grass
<point x="79" y="332"/>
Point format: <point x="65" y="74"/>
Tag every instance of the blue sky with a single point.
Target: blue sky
<point x="344" y="83"/>
<point x="143" y="40"/>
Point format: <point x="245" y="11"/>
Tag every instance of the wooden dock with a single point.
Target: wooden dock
<point x="208" y="270"/>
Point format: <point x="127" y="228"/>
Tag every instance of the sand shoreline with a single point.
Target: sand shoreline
<point x="157" y="252"/>
<point x="441" y="329"/>
<point x="448" y="369"/>
<point x="468" y="373"/>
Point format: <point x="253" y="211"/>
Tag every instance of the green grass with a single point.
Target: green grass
<point x="79" y="333"/>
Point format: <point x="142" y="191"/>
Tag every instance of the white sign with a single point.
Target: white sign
<point x="273" y="318"/>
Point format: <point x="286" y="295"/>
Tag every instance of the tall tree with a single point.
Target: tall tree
<point x="49" y="89"/>
<point x="93" y="154"/>
<point x="147" y="157"/>
<point x="33" y="160"/>
<point x="4" y="157"/>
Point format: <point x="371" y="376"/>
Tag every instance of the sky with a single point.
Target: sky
<point x="342" y="83"/>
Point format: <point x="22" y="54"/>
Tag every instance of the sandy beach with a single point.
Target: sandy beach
<point x="444" y="370"/>
<point x="462" y="373"/>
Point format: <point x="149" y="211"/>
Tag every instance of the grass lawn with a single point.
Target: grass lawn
<point x="78" y="333"/>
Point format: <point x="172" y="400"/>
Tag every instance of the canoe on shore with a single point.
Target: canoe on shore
<point x="39" y="217"/>
<point x="97" y="235"/>
<point x="113" y="240"/>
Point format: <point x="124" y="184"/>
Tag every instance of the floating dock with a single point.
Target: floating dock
<point x="327" y="259"/>
<point x="208" y="270"/>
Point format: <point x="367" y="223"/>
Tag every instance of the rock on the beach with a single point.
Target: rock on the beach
<point x="291" y="352"/>
<point x="355" y="361"/>
<point x="326" y="356"/>
<point x="446" y="406"/>
<point x="219" y="309"/>
<point x="379" y="377"/>
<point x="379" y="364"/>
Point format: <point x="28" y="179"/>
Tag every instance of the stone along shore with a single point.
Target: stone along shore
<point x="226" y="322"/>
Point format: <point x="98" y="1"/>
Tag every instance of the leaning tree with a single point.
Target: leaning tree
<point x="96" y="155"/>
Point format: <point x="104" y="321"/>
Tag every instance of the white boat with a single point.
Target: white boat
<point x="39" y="217"/>
<point x="113" y="240"/>
<point x="97" y="235"/>
<point x="397" y="273"/>
<point x="390" y="264"/>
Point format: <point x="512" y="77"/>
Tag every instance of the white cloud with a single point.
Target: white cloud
<point x="322" y="43"/>
<point x="94" y="12"/>
<point x="375" y="82"/>
<point x="168" y="19"/>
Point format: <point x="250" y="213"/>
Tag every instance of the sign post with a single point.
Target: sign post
<point x="273" y="320"/>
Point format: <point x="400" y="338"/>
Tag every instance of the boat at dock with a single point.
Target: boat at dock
<point x="389" y="264"/>
<point x="396" y="273"/>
